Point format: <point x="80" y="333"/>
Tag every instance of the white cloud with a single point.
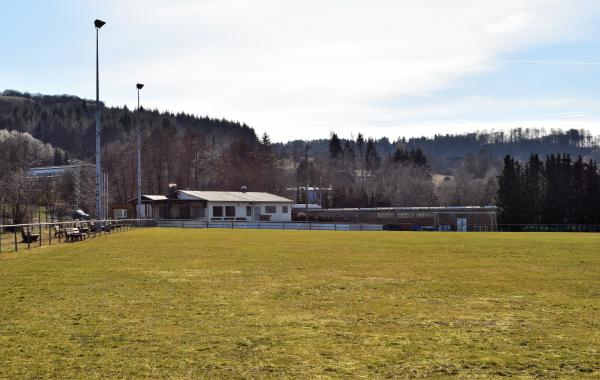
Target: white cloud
<point x="292" y="66"/>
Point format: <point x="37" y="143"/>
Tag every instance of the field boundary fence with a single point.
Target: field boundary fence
<point x="18" y="237"/>
<point x="270" y="225"/>
<point x="548" y="227"/>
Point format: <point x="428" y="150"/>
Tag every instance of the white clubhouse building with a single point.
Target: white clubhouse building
<point x="217" y="206"/>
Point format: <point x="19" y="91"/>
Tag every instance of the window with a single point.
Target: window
<point x="120" y="213"/>
<point x="217" y="211"/>
<point x="230" y="211"/>
<point x="248" y="210"/>
<point x="197" y="212"/>
<point x="284" y="209"/>
<point x="270" y="209"/>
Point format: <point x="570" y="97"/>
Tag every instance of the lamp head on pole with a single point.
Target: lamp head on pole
<point x="99" y="23"/>
<point x="139" y="86"/>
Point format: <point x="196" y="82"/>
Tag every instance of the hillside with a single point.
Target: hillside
<point x="68" y="122"/>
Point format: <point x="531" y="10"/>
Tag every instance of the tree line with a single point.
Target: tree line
<point x="556" y="190"/>
<point x="446" y="152"/>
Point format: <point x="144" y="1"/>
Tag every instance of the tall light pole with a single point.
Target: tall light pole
<point x="306" y="168"/>
<point x="139" y="86"/>
<point x="98" y="24"/>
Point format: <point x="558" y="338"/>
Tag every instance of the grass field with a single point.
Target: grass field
<point x="233" y="303"/>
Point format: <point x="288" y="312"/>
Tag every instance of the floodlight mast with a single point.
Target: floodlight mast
<point x="306" y="173"/>
<point x="98" y="24"/>
<point x="139" y="86"/>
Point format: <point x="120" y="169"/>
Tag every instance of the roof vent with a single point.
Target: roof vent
<point x="244" y="189"/>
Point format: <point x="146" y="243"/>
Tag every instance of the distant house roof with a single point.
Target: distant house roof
<point x="230" y="196"/>
<point x="155" y="197"/>
<point x="51" y="171"/>
<point x="147" y="197"/>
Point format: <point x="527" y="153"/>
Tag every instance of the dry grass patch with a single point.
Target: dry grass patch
<point x="235" y="303"/>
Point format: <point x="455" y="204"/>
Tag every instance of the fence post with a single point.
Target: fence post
<point x="28" y="238"/>
<point x="16" y="245"/>
<point x="49" y="235"/>
<point x="40" y="232"/>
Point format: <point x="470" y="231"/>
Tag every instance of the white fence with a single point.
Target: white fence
<point x="271" y="225"/>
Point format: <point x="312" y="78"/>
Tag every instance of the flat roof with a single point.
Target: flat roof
<point x="419" y="209"/>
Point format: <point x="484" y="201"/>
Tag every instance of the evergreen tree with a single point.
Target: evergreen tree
<point x="400" y="155"/>
<point x="335" y="147"/>
<point x="592" y="191"/>
<point x="559" y="191"/>
<point x="418" y="157"/>
<point x="58" y="159"/>
<point x="578" y="193"/>
<point x="533" y="190"/>
<point x="508" y="198"/>
<point x="372" y="159"/>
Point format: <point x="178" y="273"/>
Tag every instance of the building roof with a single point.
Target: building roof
<point x="50" y="171"/>
<point x="439" y="209"/>
<point x="230" y="196"/>
<point x="147" y="197"/>
<point x="154" y="197"/>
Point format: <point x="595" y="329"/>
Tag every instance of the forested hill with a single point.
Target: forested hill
<point x="446" y="151"/>
<point x="68" y="122"/>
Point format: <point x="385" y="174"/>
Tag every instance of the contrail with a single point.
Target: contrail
<point x="556" y="62"/>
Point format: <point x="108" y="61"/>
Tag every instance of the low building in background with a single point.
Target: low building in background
<point x="57" y="171"/>
<point x="452" y="218"/>
<point x="316" y="195"/>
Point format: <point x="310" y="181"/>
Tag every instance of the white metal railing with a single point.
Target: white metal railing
<point x="315" y="226"/>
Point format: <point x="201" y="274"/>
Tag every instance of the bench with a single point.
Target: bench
<point x="58" y="231"/>
<point x="28" y="237"/>
<point x="73" y="234"/>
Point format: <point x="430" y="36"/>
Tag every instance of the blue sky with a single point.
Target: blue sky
<point x="303" y="69"/>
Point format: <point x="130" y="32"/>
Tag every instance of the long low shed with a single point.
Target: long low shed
<point x="469" y="218"/>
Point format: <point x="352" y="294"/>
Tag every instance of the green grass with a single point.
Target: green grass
<point x="232" y="303"/>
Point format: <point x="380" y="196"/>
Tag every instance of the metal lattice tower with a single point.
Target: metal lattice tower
<point x="76" y="187"/>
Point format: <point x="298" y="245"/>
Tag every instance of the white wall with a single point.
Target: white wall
<point x="278" y="216"/>
<point x="240" y="210"/>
